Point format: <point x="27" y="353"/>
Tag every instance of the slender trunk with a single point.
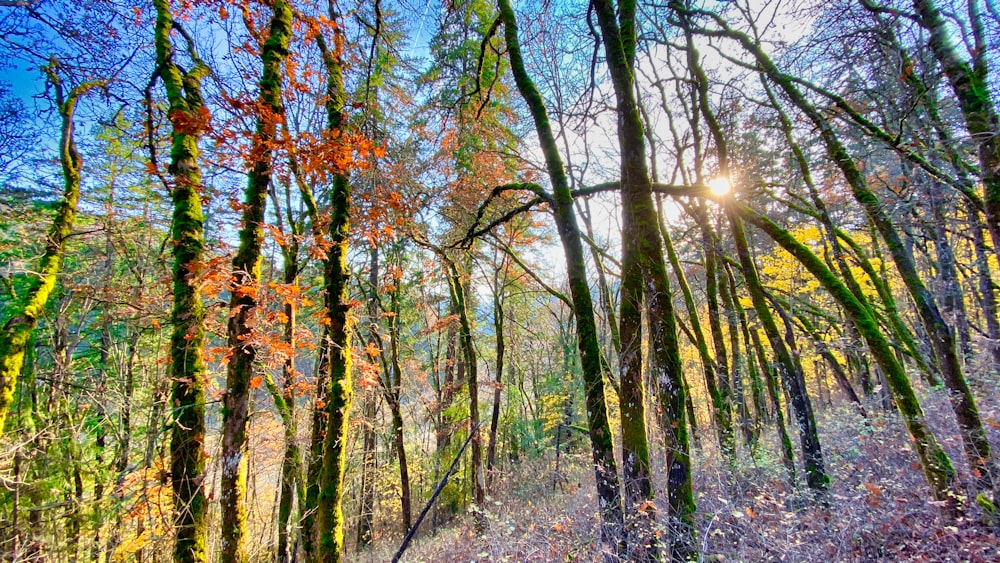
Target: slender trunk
<point x="291" y="486"/>
<point x="937" y="467"/>
<point x="187" y="366"/>
<point x="985" y="281"/>
<point x="952" y="297"/>
<point x="245" y="282"/>
<point x="501" y="347"/>
<point x="707" y="363"/>
<point x="787" y="451"/>
<point x="394" y="405"/>
<point x="727" y="291"/>
<point x="15" y="333"/>
<point x="603" y="287"/>
<point x="459" y="295"/>
<point x="718" y="385"/>
<point x="310" y="501"/>
<point x="366" y="508"/>
<point x="602" y="444"/>
<point x="756" y="385"/>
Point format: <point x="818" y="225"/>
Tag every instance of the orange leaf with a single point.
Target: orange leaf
<point x="255" y="382"/>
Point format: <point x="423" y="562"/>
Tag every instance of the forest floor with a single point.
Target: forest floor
<point x="878" y="507"/>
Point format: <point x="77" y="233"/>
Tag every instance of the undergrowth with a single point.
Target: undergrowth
<point x="877" y="509"/>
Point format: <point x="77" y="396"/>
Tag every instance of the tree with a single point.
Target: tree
<point x="246" y="284"/>
<point x="188" y="118"/>
<point x="602" y="445"/>
<point x="643" y="259"/>
<point x="17" y="329"/>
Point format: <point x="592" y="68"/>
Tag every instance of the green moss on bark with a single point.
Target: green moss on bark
<point x="246" y="279"/>
<point x="187" y="114"/>
<point x="602" y="445"/>
<point x="17" y="329"/>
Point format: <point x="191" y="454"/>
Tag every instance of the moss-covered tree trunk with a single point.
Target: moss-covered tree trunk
<point x="641" y="239"/>
<point x="830" y="231"/>
<point x="637" y="486"/>
<point x="393" y="399"/>
<point x="977" y="447"/>
<point x="718" y="385"/>
<point x="310" y="501"/>
<point x="935" y="463"/>
<point x="756" y="384"/>
<point x="20" y="322"/>
<point x="794" y="379"/>
<point x="969" y="81"/>
<point x="697" y="332"/>
<point x="459" y="296"/>
<point x="188" y="117"/>
<point x="499" y="289"/>
<point x="985" y="285"/>
<point x="245" y="284"/>
<point x="340" y="392"/>
<point x="728" y="294"/>
<point x="601" y="439"/>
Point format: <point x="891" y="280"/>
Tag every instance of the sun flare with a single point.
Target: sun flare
<point x="720" y="186"/>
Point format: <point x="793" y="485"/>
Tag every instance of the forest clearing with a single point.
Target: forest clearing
<point x="485" y="280"/>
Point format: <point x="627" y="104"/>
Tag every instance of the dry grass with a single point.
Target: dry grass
<point x="878" y="508"/>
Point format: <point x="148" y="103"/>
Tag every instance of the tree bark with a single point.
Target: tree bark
<point x="602" y="444"/>
<point x="245" y="285"/>
<point x="188" y="117"/>
<point x="340" y="393"/>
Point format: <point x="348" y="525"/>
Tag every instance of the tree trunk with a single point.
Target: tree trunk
<point x="187" y="366"/>
<point x="366" y="504"/>
<point x="641" y="243"/>
<point x="16" y="331"/>
<point x="329" y="510"/>
<point x="792" y="375"/>
<point x="602" y="444"/>
<point x="718" y="386"/>
<point x="727" y="291"/>
<point x="498" y="328"/>
<point x="459" y="294"/>
<point x="245" y="285"/>
<point x="393" y="399"/>
<point x="987" y="295"/>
